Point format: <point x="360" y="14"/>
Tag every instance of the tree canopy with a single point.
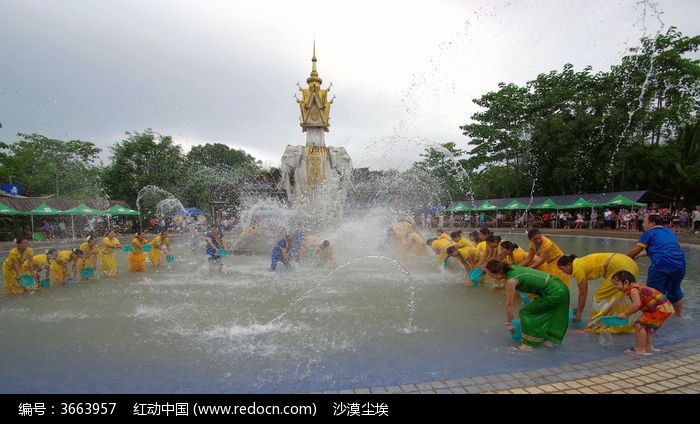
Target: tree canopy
<point x="567" y="132"/>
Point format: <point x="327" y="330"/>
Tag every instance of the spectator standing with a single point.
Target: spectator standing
<point x="641" y="213"/>
<point x="684" y="218"/>
<point x="594" y="220"/>
<point x="606" y="218"/>
<point x="545" y="220"/>
<point x="695" y="217"/>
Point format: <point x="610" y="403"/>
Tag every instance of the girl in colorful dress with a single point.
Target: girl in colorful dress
<point x="655" y="307"/>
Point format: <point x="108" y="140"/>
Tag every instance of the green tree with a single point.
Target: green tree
<point x="444" y="169"/>
<point x="44" y="166"/>
<point x="218" y="154"/>
<point x="501" y="134"/>
<point x="141" y="160"/>
<point x="661" y="85"/>
<point x="568" y="132"/>
<point x="214" y="164"/>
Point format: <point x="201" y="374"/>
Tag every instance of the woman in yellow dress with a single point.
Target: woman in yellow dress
<point x="416" y="243"/>
<point x="59" y="267"/>
<point x="492" y="248"/>
<point x="89" y="259"/>
<point x="511" y="253"/>
<point x="607" y="300"/>
<point x="11" y="266"/>
<point x="160" y="242"/>
<point x="547" y="253"/>
<point x="41" y="263"/>
<point x="396" y="235"/>
<point x="439" y="246"/>
<point x="459" y="240"/>
<point x="479" y="240"/>
<point x="108" y="261"/>
<point x="137" y="259"/>
<point x="468" y="256"/>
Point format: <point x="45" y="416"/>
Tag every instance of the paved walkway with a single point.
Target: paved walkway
<point x="676" y="370"/>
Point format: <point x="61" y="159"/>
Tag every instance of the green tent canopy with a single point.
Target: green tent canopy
<point x="515" y="205"/>
<point x="486" y="206"/>
<point x="621" y="200"/>
<point x="580" y="203"/>
<point x="6" y="210"/>
<point x="547" y="204"/>
<point x="120" y="210"/>
<point x="458" y="207"/>
<point x="83" y="209"/>
<point x="44" y="209"/>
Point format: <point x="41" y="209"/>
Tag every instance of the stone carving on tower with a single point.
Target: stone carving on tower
<point x="315" y="169"/>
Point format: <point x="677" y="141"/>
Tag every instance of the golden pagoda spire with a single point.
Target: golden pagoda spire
<point x="314" y="104"/>
<point x="314" y="80"/>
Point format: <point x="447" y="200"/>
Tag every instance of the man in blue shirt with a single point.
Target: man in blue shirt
<point x="667" y="268"/>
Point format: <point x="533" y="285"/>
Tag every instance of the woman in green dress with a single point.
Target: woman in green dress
<point x="545" y="318"/>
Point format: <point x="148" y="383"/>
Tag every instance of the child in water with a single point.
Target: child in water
<point x="655" y="307"/>
<point x="194" y="242"/>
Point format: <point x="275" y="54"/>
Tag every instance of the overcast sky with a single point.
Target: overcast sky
<point x="404" y="72"/>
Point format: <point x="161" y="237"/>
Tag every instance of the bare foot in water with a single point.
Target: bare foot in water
<point x="655" y="349"/>
<point x="525" y="347"/>
<point x="637" y="352"/>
